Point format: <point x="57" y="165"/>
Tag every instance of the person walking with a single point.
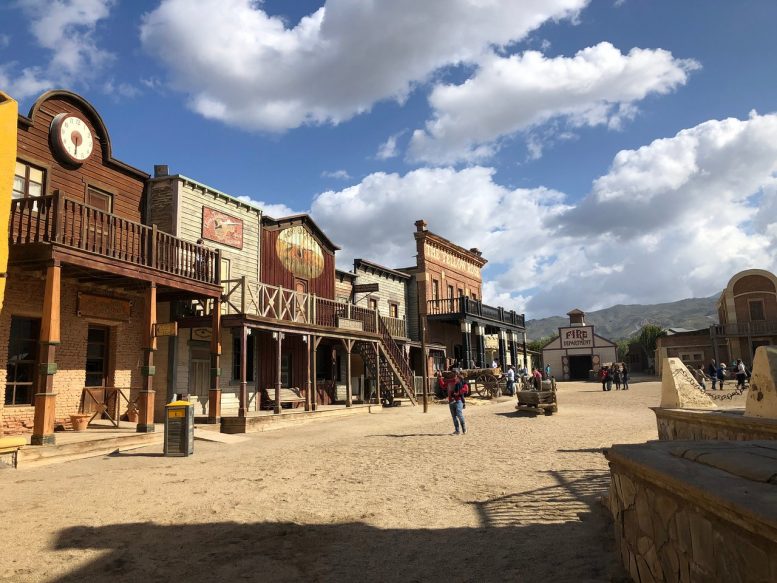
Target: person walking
<point x="712" y="372"/>
<point x="510" y="380"/>
<point x="616" y="378"/>
<point x="700" y="378"/>
<point x="604" y="374"/>
<point x="741" y="373"/>
<point x="721" y="374"/>
<point x="547" y="371"/>
<point x="625" y="377"/>
<point x="456" y="393"/>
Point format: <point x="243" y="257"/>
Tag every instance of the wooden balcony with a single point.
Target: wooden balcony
<point x="95" y="239"/>
<point x="756" y="328"/>
<point x="462" y="308"/>
<point x="396" y="326"/>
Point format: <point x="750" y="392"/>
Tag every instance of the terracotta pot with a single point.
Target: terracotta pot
<point x="79" y="422"/>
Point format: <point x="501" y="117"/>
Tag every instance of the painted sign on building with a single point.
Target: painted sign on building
<point x="443" y="257"/>
<point x="300" y="253"/>
<point x="577" y="337"/>
<point x="222" y="228"/>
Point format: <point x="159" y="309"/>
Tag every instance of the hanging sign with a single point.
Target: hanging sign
<point x="166" y="329"/>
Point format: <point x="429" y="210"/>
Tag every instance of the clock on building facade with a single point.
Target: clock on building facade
<point x="71" y="139"/>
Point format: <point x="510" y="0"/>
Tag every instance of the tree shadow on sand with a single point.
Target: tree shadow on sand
<point x="559" y="533"/>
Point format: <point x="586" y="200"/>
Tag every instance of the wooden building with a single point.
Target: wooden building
<point x="447" y="279"/>
<point x="284" y="337"/>
<point x="85" y="273"/>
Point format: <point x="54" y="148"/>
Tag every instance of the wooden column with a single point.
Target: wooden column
<point x="377" y="373"/>
<point x="314" y="393"/>
<point x="525" y="356"/>
<point x="45" y="397"/>
<point x="241" y="412"/>
<point x="146" y="397"/>
<point x="214" y="394"/>
<point x="308" y="345"/>
<point x="466" y="329"/>
<point x="502" y="351"/>
<point x="348" y="344"/>
<point x="279" y="337"/>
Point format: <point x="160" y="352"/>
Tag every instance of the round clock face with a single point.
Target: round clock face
<point x="71" y="138"/>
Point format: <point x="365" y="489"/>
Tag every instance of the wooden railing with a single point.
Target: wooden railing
<point x="756" y="328"/>
<point x="56" y="219"/>
<point x="464" y="306"/>
<point x="396" y="326"/>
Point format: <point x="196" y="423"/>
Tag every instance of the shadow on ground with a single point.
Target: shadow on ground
<point x="559" y="533"/>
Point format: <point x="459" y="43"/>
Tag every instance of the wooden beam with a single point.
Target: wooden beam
<point x="308" y="400"/>
<point x="243" y="372"/>
<point x="214" y="394"/>
<point x="45" y="397"/>
<point x="348" y="388"/>
<point x="316" y="340"/>
<point x="279" y="362"/>
<point x="146" y="397"/>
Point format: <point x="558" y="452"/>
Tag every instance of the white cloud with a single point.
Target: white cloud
<point x="388" y="149"/>
<point x="5" y="40"/>
<point x="598" y="86"/>
<point x="673" y="219"/>
<point x="120" y="90"/>
<point x="67" y="29"/>
<point x="272" y="209"/>
<point x="336" y="174"/>
<point x="246" y="68"/>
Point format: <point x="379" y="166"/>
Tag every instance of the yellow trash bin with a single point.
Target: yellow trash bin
<point x="179" y="428"/>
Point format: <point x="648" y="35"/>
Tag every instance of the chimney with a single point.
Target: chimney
<point x="161" y="170"/>
<point x="420" y="225"/>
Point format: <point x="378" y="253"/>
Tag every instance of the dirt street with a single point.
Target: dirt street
<point x="383" y="497"/>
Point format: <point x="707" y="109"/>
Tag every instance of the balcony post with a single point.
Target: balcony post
<point x="278" y="379"/>
<point x="241" y="412"/>
<point x="59" y="221"/>
<point x="480" y="345"/>
<point x="514" y="349"/>
<point x="316" y="340"/>
<point x="525" y="355"/>
<point x="308" y="340"/>
<point x="348" y="344"/>
<point x="146" y="397"/>
<point x="151" y="259"/>
<point x="313" y="315"/>
<point x="243" y="294"/>
<point x="502" y="349"/>
<point x="214" y="394"/>
<point x="466" y="330"/>
<point x="377" y="373"/>
<point x="45" y="397"/>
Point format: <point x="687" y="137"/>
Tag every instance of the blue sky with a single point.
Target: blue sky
<point x="583" y="146"/>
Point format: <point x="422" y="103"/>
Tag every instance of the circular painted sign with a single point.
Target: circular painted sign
<point x="300" y="253"/>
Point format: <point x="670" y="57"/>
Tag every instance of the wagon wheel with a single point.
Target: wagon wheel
<point x="487" y="385"/>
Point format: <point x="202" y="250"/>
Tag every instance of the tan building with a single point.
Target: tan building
<point x="747" y="315"/>
<point x="578" y="350"/>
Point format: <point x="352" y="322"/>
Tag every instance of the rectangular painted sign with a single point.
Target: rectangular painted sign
<point x="577" y="337"/>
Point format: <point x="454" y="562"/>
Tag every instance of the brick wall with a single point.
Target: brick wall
<point x="24" y="297"/>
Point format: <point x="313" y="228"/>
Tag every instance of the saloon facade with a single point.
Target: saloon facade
<point x="85" y="272"/>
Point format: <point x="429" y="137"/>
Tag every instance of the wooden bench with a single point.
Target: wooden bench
<point x="291" y="395"/>
<point x="12" y="445"/>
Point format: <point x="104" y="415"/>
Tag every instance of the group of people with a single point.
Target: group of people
<point x="616" y="374"/>
<point x="716" y="373"/>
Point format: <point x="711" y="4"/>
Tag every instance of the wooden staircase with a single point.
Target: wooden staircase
<point x="394" y="372"/>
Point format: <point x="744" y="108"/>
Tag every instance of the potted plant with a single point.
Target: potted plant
<point x="133" y="414"/>
<point x="80" y="421"/>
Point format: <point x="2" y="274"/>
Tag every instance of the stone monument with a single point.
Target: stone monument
<point x="679" y="390"/>
<point x="762" y="396"/>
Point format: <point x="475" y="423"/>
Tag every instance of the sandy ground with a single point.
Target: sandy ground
<point x="383" y="497"/>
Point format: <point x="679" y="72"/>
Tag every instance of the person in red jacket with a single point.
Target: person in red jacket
<point x="456" y="393"/>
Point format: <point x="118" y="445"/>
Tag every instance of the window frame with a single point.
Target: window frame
<point x="27" y="165"/>
<point x="435" y="289"/>
<point x="236" y="350"/>
<point x="393" y="309"/>
<point x="34" y="361"/>
<point x="750" y="304"/>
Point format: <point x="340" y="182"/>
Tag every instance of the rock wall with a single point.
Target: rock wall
<point x="762" y="395"/>
<point x="674" y="424"/>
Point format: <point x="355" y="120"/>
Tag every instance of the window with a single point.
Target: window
<point x="450" y="291"/>
<point x="99" y="200"/>
<point x="20" y="370"/>
<point x="757" y="310"/>
<point x="393" y="310"/>
<point x="435" y="289"/>
<point x="461" y="292"/>
<point x="97" y="356"/>
<point x="373" y="304"/>
<point x="236" y="350"/>
<point x="27" y="181"/>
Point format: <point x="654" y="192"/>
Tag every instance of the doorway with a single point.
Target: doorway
<point x="97" y="342"/>
<point x="579" y="366"/>
<point x="199" y="378"/>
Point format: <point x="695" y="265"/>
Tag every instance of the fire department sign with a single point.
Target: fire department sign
<point x="577" y="337"/>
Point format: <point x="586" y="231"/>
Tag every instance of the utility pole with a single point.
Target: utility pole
<point x="424" y="350"/>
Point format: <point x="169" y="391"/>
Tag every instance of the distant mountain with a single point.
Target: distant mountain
<point x="623" y="321"/>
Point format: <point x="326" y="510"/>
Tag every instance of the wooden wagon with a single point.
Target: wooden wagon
<point x="534" y="401"/>
<point x="484" y="382"/>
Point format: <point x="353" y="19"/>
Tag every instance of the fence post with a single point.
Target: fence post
<point x="313" y="315"/>
<point x="243" y="295"/>
<point x="59" y="222"/>
<point x="217" y="267"/>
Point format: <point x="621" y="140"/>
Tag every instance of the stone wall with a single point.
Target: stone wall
<point x="674" y="424"/>
<point x="682" y="530"/>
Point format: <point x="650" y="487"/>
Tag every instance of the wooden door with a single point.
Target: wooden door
<point x="97" y="343"/>
<point x="199" y="382"/>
